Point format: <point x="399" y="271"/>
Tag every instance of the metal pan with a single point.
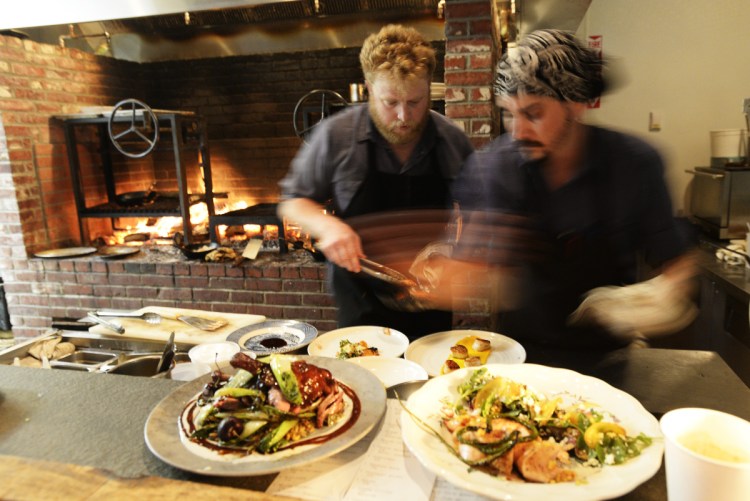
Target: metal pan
<point x="198" y="251"/>
<point x="117" y="251"/>
<point x="395" y="290"/>
<point x="136" y="198"/>
<point x="66" y="252"/>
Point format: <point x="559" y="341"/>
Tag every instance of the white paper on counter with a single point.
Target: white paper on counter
<point x="352" y="475"/>
<point x="322" y="480"/>
<point x="445" y="491"/>
<point x="390" y="470"/>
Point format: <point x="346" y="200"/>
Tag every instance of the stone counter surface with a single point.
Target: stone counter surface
<point x="40" y="403"/>
<point x="108" y="411"/>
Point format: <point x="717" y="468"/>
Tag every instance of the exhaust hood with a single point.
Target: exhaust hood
<point x="147" y="31"/>
<point x="161" y="30"/>
<point x="560" y="14"/>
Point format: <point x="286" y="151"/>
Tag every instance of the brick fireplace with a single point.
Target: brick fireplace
<point x="247" y="102"/>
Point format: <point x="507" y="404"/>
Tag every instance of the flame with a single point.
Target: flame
<point x="165" y="227"/>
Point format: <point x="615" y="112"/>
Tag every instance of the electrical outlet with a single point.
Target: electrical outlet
<point x="746" y="106"/>
<point x="655" y="121"/>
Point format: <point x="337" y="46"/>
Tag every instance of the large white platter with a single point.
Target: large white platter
<point x="605" y="483"/>
<point x="164" y="437"/>
<point x="432" y="351"/>
<point x="389" y="342"/>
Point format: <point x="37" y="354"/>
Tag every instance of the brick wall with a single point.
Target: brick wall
<point x="39" y="81"/>
<point x="469" y="61"/>
<point x="71" y="287"/>
<point x="248" y="103"/>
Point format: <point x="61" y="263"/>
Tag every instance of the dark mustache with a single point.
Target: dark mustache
<point x="522" y="143"/>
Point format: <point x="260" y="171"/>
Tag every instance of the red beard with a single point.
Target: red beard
<point x="393" y="131"/>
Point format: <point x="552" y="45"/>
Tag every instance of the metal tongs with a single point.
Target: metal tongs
<point x="399" y="292"/>
<point x="106" y="323"/>
<point x="386" y="274"/>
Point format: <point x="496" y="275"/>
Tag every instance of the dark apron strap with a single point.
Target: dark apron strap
<point x="356" y="301"/>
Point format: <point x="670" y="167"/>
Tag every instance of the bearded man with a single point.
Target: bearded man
<point x="595" y="199"/>
<point x="395" y="154"/>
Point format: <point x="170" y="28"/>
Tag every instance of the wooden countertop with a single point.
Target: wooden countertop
<point x="33" y="479"/>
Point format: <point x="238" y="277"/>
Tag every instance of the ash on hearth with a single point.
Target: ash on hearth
<point x="154" y="253"/>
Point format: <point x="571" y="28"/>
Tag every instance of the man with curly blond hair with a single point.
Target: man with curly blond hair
<point x="394" y="154"/>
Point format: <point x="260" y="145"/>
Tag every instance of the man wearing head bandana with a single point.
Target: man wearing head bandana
<point x="594" y="199"/>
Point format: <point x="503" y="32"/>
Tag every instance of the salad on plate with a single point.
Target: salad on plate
<point x="268" y="405"/>
<point x="508" y="429"/>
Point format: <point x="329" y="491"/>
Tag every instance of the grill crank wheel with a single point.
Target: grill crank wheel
<point x="313" y="107"/>
<point x="140" y="124"/>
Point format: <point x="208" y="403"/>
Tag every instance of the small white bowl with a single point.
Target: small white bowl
<point x="213" y="353"/>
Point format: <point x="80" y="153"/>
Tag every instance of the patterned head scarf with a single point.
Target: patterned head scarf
<point x="550" y="63"/>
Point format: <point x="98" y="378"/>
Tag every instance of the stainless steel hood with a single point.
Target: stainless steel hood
<point x="36" y="13"/>
<point x="160" y="30"/>
<point x="146" y="31"/>
<point x="560" y="14"/>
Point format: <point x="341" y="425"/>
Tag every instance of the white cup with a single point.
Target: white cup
<point x="707" y="455"/>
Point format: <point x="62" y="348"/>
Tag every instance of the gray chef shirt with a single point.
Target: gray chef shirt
<point x="333" y="164"/>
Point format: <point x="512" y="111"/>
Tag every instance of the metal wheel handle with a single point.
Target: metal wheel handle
<point x="316" y="101"/>
<point x="144" y="127"/>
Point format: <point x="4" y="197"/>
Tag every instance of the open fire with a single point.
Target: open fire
<point x="136" y="231"/>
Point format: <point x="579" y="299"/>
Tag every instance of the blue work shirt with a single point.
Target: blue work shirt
<point x="333" y="164"/>
<point x="590" y="232"/>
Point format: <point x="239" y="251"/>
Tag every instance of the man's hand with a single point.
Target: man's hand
<point x="341" y="245"/>
<point x="337" y="240"/>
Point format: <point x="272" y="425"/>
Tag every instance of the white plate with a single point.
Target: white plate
<point x="392" y="371"/>
<point x="605" y="483"/>
<point x="389" y="342"/>
<point x="164" y="438"/>
<point x="432" y="351"/>
<point x="274" y="336"/>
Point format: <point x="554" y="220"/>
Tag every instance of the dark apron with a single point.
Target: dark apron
<point x="380" y="192"/>
<point x="577" y="262"/>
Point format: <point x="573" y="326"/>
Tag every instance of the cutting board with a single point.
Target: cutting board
<point x="137" y="328"/>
